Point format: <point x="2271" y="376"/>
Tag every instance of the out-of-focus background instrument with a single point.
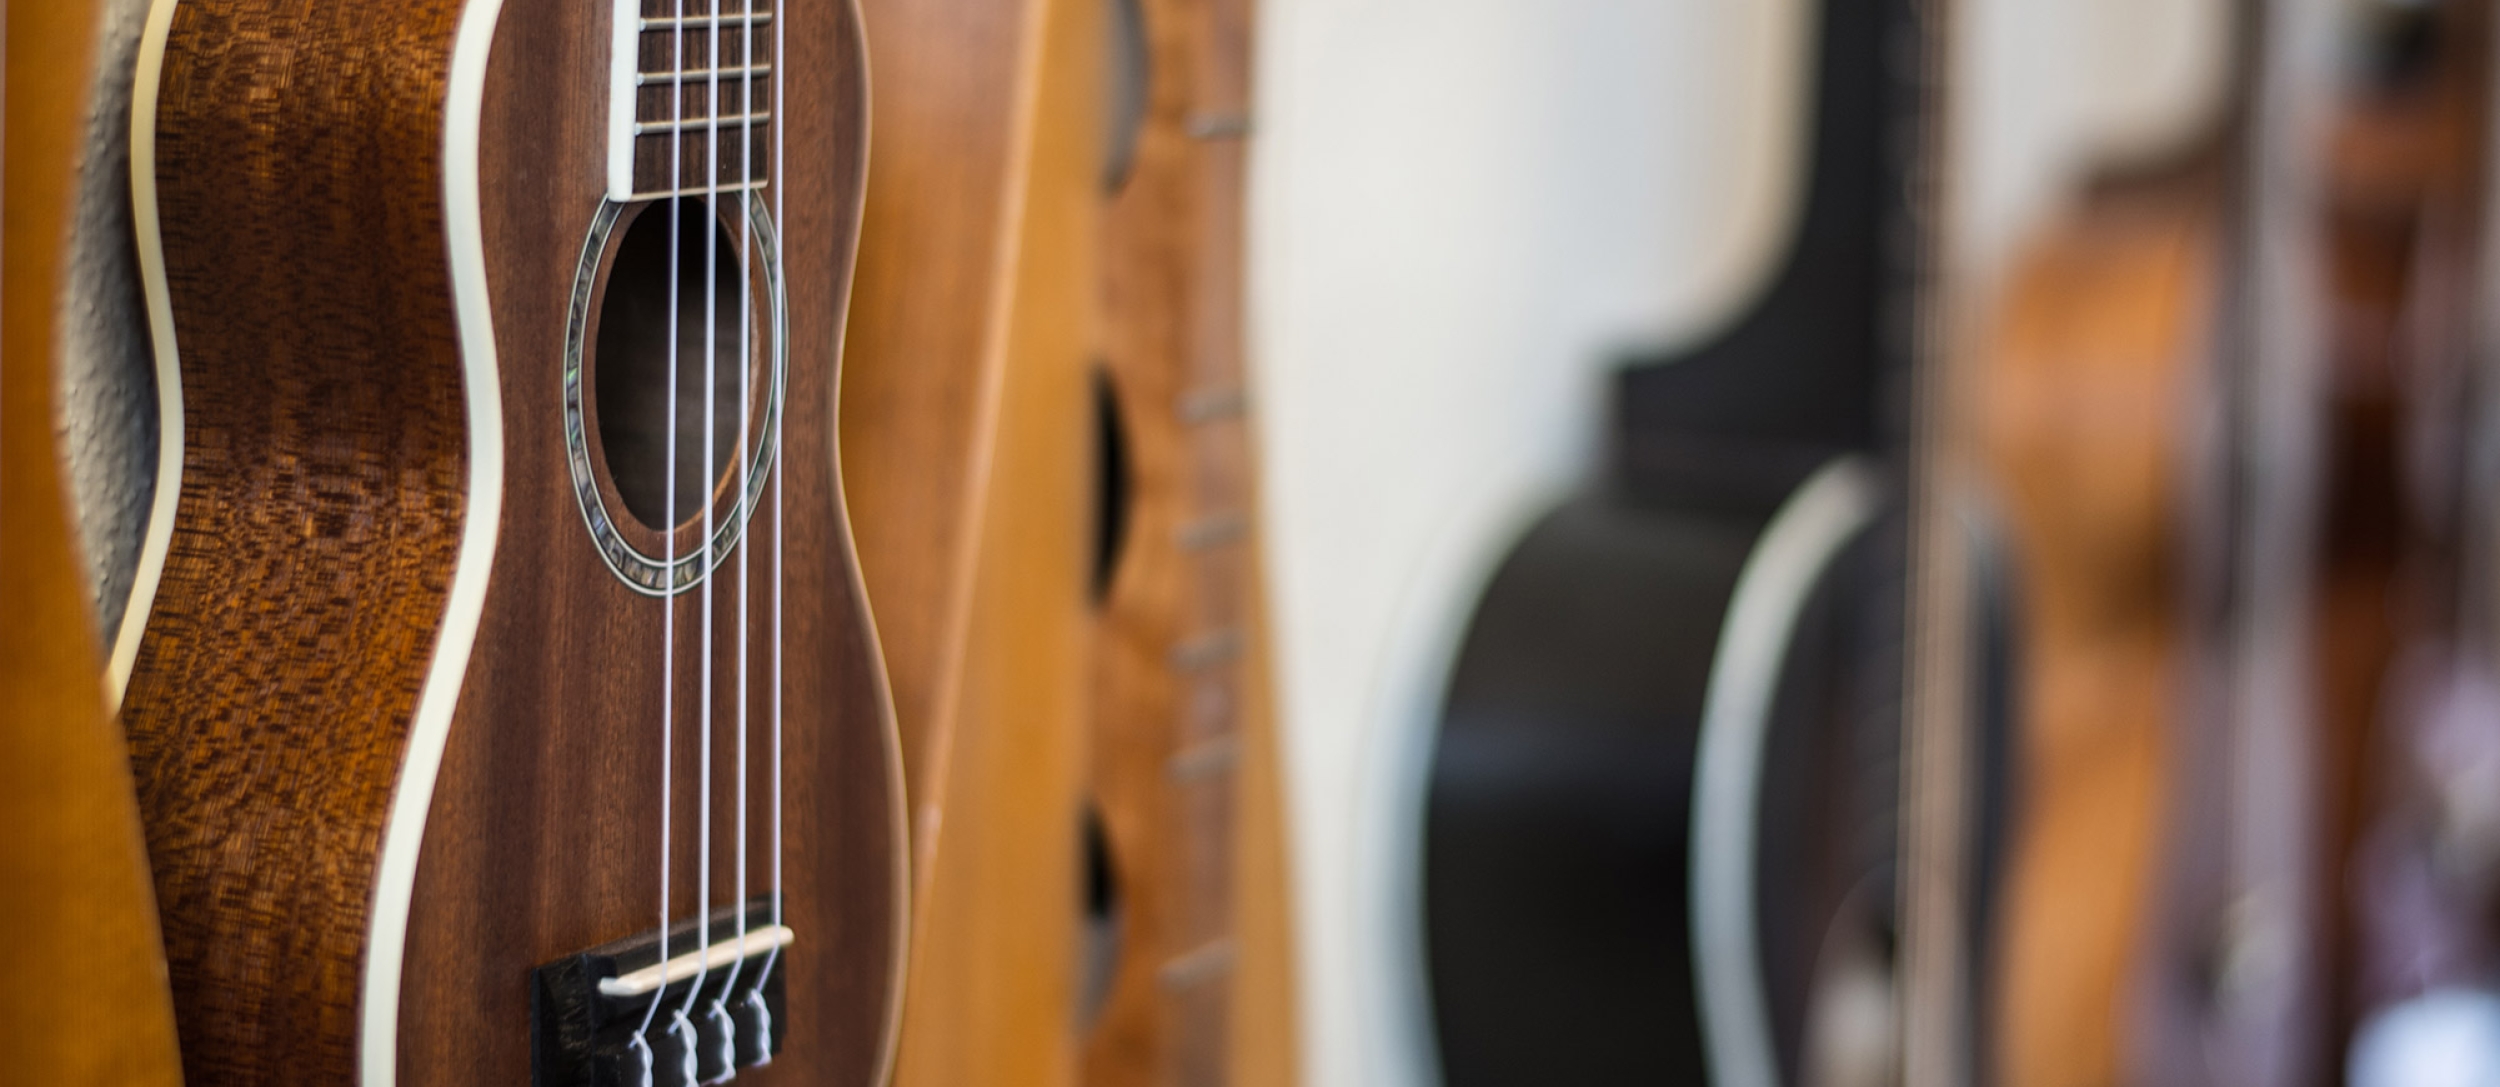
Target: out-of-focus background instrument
<point x="966" y="433"/>
<point x="85" y="998"/>
<point x="1189" y="978"/>
<point x="1725" y="728"/>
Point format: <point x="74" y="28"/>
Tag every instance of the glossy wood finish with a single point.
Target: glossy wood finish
<point x="300" y="176"/>
<point x="83" y="999"/>
<point x="994" y="985"/>
<point x="267" y="711"/>
<point x="1179" y="680"/>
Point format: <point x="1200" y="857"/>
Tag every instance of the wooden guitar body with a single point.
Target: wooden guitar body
<point x="964" y="422"/>
<point x="397" y="712"/>
<point x="85" y="1001"/>
<point x="2085" y="389"/>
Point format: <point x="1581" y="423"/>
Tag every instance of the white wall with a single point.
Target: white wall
<point x="1459" y="208"/>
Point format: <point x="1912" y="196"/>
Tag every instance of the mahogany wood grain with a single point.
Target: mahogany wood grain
<point x="83" y="998"/>
<point x="300" y="181"/>
<point x="994" y="987"/>
<point x="1179" y="729"/>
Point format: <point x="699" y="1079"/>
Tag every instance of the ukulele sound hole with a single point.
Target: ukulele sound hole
<point x="1099" y="958"/>
<point x="1114" y="479"/>
<point x="634" y="364"/>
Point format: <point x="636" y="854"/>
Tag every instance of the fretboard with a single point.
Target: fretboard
<point x="691" y="97"/>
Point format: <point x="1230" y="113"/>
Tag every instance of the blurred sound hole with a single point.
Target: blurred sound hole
<point x="1100" y="957"/>
<point x="1113" y="482"/>
<point x="631" y="371"/>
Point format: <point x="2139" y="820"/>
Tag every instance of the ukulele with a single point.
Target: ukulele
<point x="1188" y="980"/>
<point x="2084" y="383"/>
<point x="86" y="1001"/>
<point x="503" y="702"/>
<point x="1728" y="729"/>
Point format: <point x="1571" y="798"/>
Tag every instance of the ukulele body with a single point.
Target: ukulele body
<point x="397" y="710"/>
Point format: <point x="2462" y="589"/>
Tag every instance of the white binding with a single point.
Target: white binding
<point x="898" y="807"/>
<point x="624" y="81"/>
<point x="403" y="835"/>
<point x="1804" y="536"/>
<point x="151" y="242"/>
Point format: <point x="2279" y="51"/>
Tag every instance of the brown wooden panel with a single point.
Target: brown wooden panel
<point x="83" y="999"/>
<point x="928" y="341"/>
<point x="993" y="984"/>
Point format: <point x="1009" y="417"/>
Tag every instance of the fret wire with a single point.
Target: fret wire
<point x="667" y="194"/>
<point x="655" y="23"/>
<point x="703" y="124"/>
<point x="694" y="75"/>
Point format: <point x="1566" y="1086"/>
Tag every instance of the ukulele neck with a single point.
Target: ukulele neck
<point x="691" y="90"/>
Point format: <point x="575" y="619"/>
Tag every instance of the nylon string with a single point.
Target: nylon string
<point x="711" y="421"/>
<point x="746" y="463"/>
<point x="780" y="118"/>
<point x="668" y="534"/>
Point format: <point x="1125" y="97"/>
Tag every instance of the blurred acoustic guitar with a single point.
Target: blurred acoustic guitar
<point x="2084" y="385"/>
<point x="1721" y="770"/>
<point x="86" y="1002"/>
<point x="500" y="688"/>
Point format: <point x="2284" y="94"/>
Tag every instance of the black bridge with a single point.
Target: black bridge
<point x="587" y="1009"/>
